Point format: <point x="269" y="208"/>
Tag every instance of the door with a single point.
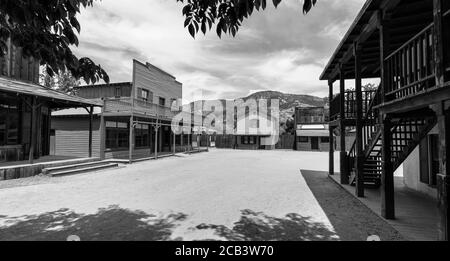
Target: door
<point x="315" y="143"/>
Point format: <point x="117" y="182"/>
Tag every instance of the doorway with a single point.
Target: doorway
<point x="314" y="143"/>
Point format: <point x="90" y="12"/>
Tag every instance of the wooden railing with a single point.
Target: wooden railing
<point x="410" y="69"/>
<point x="128" y="104"/>
<point x="350" y="104"/>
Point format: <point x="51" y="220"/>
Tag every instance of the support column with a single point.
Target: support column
<point x="174" y="139"/>
<point x="102" y="135"/>
<point x="156" y="139"/>
<point x="359" y="124"/>
<point x="131" y="141"/>
<point x="343" y="154"/>
<point x="444" y="169"/>
<point x="438" y="42"/>
<point x="181" y="140"/>
<point x="33" y="131"/>
<point x="387" y="176"/>
<point x="331" y="153"/>
<point x="189" y="142"/>
<point x="91" y="118"/>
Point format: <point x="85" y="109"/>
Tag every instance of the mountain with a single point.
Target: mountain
<point x="288" y="102"/>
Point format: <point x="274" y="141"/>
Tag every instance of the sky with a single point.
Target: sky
<point x="277" y="49"/>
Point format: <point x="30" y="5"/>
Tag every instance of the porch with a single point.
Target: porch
<point x="417" y="216"/>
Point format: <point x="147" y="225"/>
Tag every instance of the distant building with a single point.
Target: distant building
<point x="312" y="130"/>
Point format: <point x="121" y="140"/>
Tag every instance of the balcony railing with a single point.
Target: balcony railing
<point x="410" y="69"/>
<point x="127" y="104"/>
<point x="350" y="104"/>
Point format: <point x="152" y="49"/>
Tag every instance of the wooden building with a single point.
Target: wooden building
<point x="135" y="121"/>
<point x="26" y="107"/>
<point x="404" y="43"/>
<point x="312" y="129"/>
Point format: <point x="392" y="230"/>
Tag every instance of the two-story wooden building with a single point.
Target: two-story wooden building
<point x="135" y="121"/>
<point x="26" y="107"/>
<point x="405" y="44"/>
<point x="311" y="125"/>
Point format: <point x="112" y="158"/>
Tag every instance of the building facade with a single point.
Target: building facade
<point x="135" y="121"/>
<point x="404" y="123"/>
<point x="26" y="107"/>
<point x="312" y="130"/>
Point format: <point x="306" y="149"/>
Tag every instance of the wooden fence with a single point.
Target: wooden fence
<point x="228" y="141"/>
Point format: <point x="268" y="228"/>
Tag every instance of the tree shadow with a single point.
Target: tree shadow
<point x="257" y="226"/>
<point x="108" y="224"/>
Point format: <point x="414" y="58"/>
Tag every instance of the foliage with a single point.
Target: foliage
<point x="45" y="30"/>
<point x="228" y="15"/>
<point x="63" y="82"/>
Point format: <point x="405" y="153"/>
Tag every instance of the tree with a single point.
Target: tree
<point x="45" y="30"/>
<point x="63" y="82"/>
<point x="226" y="14"/>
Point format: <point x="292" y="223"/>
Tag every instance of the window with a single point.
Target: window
<point x="162" y="101"/>
<point x="325" y="139"/>
<point x="117" y="135"/>
<point x="303" y="139"/>
<point x="248" y="140"/>
<point x="9" y="122"/>
<point x="142" y="135"/>
<point x="144" y="95"/>
<point x="118" y="92"/>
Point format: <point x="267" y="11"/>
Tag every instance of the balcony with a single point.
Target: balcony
<point x="350" y="105"/>
<point x="130" y="105"/>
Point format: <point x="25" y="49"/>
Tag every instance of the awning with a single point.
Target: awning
<point x="65" y="100"/>
<point x="313" y="133"/>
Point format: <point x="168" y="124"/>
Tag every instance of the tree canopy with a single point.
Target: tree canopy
<point x="45" y="30"/>
<point x="227" y="15"/>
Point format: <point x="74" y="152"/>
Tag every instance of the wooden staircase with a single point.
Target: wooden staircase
<point x="406" y="134"/>
<point x="78" y="168"/>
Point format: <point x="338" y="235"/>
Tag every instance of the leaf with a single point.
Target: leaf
<point x="191" y="30"/>
<point x="276" y="3"/>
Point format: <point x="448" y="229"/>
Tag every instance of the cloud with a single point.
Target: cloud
<point x="276" y="49"/>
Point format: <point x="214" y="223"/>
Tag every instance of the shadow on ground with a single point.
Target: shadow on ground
<point x="351" y="219"/>
<point x="112" y="223"/>
<point x="257" y="226"/>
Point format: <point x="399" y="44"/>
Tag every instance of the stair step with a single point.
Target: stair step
<point x="47" y="171"/>
<point x="83" y="170"/>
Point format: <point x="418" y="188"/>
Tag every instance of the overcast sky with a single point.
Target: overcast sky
<point x="276" y="49"/>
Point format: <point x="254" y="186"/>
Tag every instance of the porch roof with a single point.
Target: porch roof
<point x="406" y="18"/>
<point x="60" y="100"/>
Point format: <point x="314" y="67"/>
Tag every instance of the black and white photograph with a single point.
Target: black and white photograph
<point x="232" y="121"/>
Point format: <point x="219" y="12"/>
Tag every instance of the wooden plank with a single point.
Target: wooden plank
<point x="345" y="174"/>
<point x="359" y="123"/>
<point x="387" y="176"/>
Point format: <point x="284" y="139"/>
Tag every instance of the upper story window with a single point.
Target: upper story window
<point x="144" y="95"/>
<point x="118" y="92"/>
<point x="162" y="101"/>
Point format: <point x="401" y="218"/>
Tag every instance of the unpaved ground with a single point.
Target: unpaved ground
<point x="220" y="195"/>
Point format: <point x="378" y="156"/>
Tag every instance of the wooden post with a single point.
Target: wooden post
<point x="189" y="142"/>
<point x="443" y="116"/>
<point x="387" y="176"/>
<point x="343" y="154"/>
<point x="181" y="140"/>
<point x="156" y="139"/>
<point x="91" y="118"/>
<point x="131" y="141"/>
<point x="438" y="41"/>
<point x="33" y="130"/>
<point x="331" y="152"/>
<point x="359" y="123"/>
<point x="174" y="139"/>
<point x="102" y="133"/>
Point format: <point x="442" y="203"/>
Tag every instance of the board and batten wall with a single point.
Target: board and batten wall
<point x="158" y="82"/>
<point x="72" y="136"/>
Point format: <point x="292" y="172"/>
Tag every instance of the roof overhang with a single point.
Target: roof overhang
<point x="58" y="99"/>
<point x="406" y="18"/>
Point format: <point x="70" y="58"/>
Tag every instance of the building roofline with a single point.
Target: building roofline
<point x="103" y="85"/>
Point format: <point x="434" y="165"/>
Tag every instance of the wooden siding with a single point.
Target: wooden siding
<point x="104" y="91"/>
<point x="15" y="66"/>
<point x="72" y="137"/>
<point x="159" y="83"/>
